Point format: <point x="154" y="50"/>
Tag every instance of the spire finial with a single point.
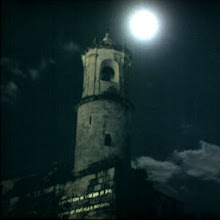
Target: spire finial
<point x="107" y="38"/>
<point x="107" y="30"/>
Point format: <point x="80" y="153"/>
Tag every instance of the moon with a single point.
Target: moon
<point x="144" y="24"/>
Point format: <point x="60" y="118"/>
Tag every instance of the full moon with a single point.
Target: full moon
<point x="144" y="24"/>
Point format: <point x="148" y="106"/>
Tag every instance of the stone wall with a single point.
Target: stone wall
<point x="91" y="197"/>
<point x="83" y="197"/>
<point x="95" y="120"/>
<point x="109" y="193"/>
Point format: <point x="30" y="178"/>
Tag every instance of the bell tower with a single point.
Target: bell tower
<point x="104" y="112"/>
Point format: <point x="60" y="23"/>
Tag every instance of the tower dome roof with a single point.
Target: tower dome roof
<point x="107" y="42"/>
<point x="107" y="39"/>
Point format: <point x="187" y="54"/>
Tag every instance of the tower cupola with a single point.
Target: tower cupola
<point x="105" y="68"/>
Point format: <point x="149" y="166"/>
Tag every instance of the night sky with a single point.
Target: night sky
<point x="174" y="83"/>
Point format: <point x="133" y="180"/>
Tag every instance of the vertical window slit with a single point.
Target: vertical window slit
<point x="108" y="140"/>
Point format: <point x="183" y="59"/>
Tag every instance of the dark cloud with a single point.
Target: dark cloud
<point x="11" y="75"/>
<point x="159" y="171"/>
<point x="71" y="47"/>
<point x="45" y="63"/>
<point x="191" y="176"/>
<point x="8" y="185"/>
<point x="34" y="73"/>
<point x="9" y="92"/>
<point x="15" y="76"/>
<point x="51" y="61"/>
<point x="203" y="163"/>
<point x="12" y="67"/>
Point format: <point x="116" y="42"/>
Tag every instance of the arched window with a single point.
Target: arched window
<point x="107" y="73"/>
<point x="108" y="140"/>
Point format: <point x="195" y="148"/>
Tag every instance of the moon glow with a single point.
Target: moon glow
<point x="144" y="24"/>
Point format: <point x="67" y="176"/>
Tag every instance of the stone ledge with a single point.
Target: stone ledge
<point x="108" y="96"/>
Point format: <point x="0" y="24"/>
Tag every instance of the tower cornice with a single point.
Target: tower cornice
<point x="108" y="43"/>
<point x="126" y="103"/>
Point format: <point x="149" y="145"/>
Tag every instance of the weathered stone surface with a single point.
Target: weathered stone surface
<point x="95" y="120"/>
<point x="92" y="200"/>
<point x="103" y="129"/>
<point x="104" y="113"/>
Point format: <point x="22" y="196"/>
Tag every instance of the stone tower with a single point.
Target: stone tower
<point x="104" y="112"/>
<point x="103" y="185"/>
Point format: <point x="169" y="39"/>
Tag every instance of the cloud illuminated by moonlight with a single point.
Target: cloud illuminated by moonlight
<point x="203" y="163"/>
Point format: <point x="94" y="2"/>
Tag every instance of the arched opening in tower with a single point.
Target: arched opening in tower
<point x="107" y="74"/>
<point x="108" y="140"/>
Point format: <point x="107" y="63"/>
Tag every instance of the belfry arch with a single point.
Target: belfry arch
<point x="109" y="71"/>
